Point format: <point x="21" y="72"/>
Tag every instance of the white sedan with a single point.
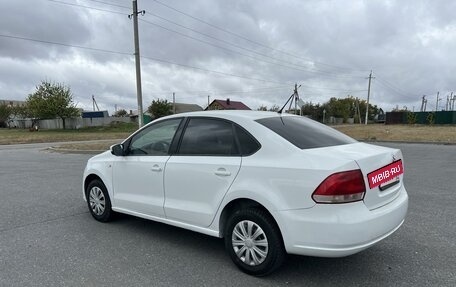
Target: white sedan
<point x="269" y="184"/>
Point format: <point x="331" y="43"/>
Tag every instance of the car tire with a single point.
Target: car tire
<point x="98" y="201"/>
<point x="254" y="242"/>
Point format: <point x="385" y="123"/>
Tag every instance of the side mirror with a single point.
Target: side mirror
<point x="117" y="150"/>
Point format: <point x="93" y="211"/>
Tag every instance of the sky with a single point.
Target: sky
<point x="249" y="51"/>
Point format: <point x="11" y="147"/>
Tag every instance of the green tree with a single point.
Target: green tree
<point x="5" y="113"/>
<point x="314" y="111"/>
<point x="274" y="108"/>
<point x="160" y="108"/>
<point x="347" y="108"/>
<point x="411" y="118"/>
<point x="50" y="101"/>
<point x="430" y="118"/>
<point x="262" y="108"/>
<point x="121" y="113"/>
<point x="21" y="111"/>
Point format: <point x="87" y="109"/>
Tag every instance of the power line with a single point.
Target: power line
<point x="245" y="38"/>
<point x="205" y="92"/>
<point x="130" y="54"/>
<point x="149" y="58"/>
<point x="110" y="4"/>
<point x="293" y="65"/>
<point x="86" y="7"/>
<point x="236" y="52"/>
<point x="65" y="45"/>
<point x="208" y="43"/>
<point x="210" y="71"/>
<point x="390" y="86"/>
<point x="332" y="89"/>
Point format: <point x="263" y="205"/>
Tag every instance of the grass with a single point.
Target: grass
<point x="404" y="133"/>
<point x="21" y="136"/>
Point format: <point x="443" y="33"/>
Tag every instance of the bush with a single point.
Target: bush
<point x="411" y="118"/>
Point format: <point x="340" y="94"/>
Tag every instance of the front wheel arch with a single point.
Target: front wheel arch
<point x="88" y="180"/>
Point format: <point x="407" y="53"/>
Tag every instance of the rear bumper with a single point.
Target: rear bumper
<point x="330" y="230"/>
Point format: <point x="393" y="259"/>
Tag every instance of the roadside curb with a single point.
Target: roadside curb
<point x="408" y="142"/>
<point x="72" y="151"/>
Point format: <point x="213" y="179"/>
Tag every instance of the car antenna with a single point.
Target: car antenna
<point x="294" y="96"/>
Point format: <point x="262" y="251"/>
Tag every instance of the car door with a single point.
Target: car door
<point x="200" y="173"/>
<point x="138" y="176"/>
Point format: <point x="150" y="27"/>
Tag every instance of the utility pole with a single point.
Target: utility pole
<point x="208" y="98"/>
<point x="437" y="102"/>
<point x="174" y="103"/>
<point x="453" y="98"/>
<point x="94" y="103"/>
<point x="296" y="97"/>
<point x="368" y="95"/>
<point x="137" y="61"/>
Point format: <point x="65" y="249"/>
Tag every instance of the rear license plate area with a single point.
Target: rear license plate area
<point x="386" y="176"/>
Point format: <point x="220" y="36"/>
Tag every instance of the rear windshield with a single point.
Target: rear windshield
<point x="305" y="133"/>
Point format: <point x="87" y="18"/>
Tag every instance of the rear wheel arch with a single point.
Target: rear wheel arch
<point x="253" y="238"/>
<point x="239" y="204"/>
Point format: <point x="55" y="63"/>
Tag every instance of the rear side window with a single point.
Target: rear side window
<point x="247" y="143"/>
<point x="305" y="133"/>
<point x="208" y="137"/>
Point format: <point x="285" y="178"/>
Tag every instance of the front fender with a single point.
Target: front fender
<point x="101" y="170"/>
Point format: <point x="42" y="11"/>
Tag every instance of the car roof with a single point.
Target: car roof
<point x="233" y="114"/>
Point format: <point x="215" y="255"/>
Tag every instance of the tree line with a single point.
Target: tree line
<point x="55" y="100"/>
<point x="49" y="101"/>
<point x="349" y="107"/>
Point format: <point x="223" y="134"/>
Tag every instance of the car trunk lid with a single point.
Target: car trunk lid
<point x="381" y="168"/>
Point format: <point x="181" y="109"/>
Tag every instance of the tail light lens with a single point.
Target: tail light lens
<point x="341" y="187"/>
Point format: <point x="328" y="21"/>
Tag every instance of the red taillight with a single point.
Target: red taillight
<point x="341" y="187"/>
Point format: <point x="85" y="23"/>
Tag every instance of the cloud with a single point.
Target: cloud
<point x="327" y="46"/>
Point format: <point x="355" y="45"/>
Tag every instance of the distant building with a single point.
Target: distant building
<point x="184" y="108"/>
<point x="94" y="114"/>
<point x="227" y="105"/>
<point x="12" y="103"/>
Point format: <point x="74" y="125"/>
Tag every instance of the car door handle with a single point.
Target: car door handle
<point x="156" y="167"/>
<point x="222" y="172"/>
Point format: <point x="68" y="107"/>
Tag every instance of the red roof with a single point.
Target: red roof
<point x="230" y="105"/>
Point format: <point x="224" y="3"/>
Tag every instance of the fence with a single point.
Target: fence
<point x="439" y="118"/>
<point x="71" y="123"/>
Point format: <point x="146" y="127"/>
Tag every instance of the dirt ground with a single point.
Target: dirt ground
<point x="402" y="133"/>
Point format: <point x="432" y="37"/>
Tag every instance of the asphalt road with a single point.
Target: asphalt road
<point x="48" y="238"/>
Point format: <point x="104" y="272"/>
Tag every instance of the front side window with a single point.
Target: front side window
<point x="206" y="136"/>
<point x="155" y="139"/>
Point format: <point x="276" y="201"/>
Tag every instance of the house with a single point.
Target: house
<point x="226" y="105"/>
<point x="184" y="108"/>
